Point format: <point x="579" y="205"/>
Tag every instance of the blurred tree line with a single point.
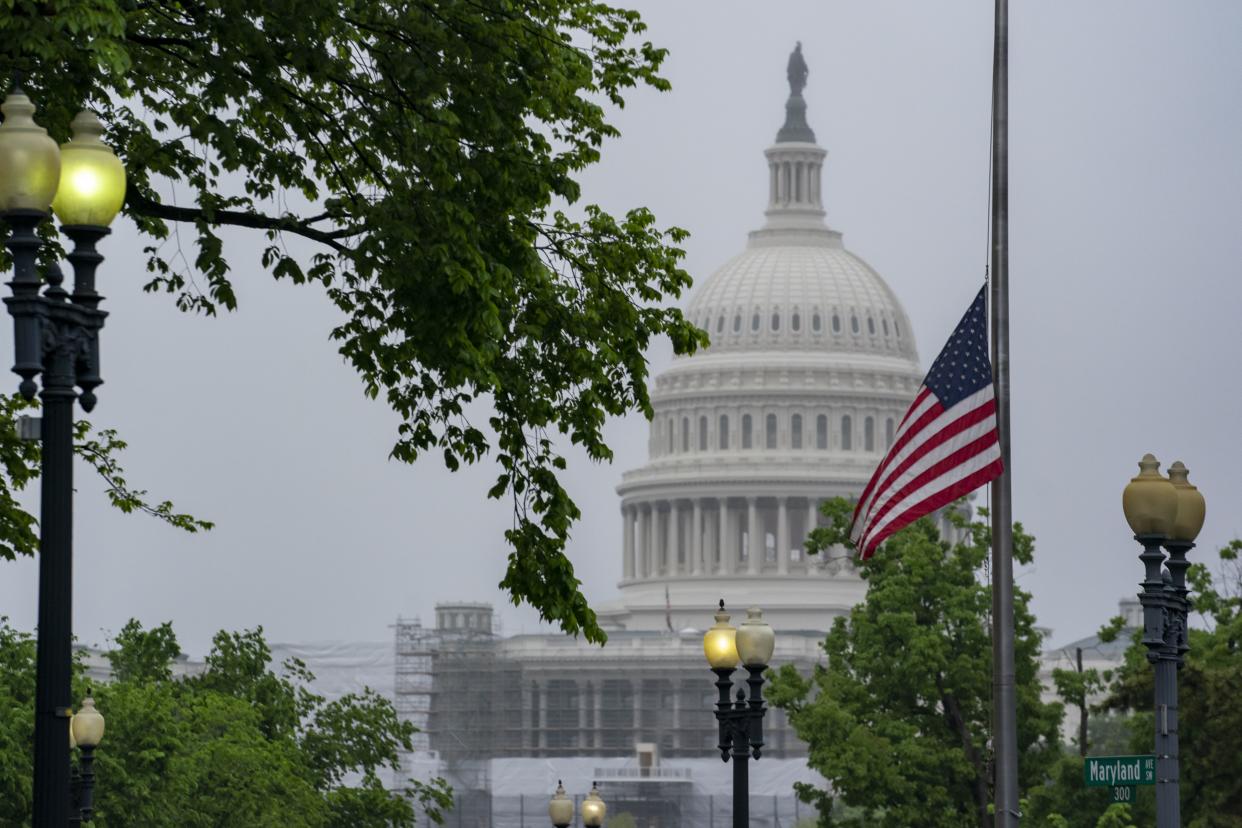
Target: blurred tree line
<point x="239" y="744"/>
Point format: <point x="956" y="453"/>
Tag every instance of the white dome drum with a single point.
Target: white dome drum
<point x="811" y="366"/>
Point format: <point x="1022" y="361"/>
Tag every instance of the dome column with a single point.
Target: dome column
<point x="672" y="564"/>
<point x="627" y="542"/>
<point x="646" y="539"/>
<point x="696" y="538"/>
<point x="653" y="540"/>
<point x="782" y="536"/>
<point x="754" y="552"/>
<point x="812" y="518"/>
<point x="723" y="545"/>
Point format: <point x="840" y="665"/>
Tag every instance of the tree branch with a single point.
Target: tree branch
<point x="142" y="205"/>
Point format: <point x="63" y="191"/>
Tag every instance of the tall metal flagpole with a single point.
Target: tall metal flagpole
<point x="1004" y="700"/>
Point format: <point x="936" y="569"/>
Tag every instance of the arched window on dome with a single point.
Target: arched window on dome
<point x="815" y="323"/>
<point x="888" y="432"/>
<point x="746" y="432"/>
<point x="847" y="433"/>
<point x="871" y="326"/>
<point x="869" y="434"/>
<point x="795" y="431"/>
<point x="702" y="434"/>
<point x="737" y="323"/>
<point x="769" y="431"/>
<point x="897" y="328"/>
<point x="754" y="322"/>
<point x="670" y="435"/>
<point x="724" y="431"/>
<point x="776" y="321"/>
<point x="854" y="326"/>
<point x="884" y="322"/>
<point x="685" y="433"/>
<point x="836" y="324"/>
<point x="720" y="324"/>
<point x="795" y="322"/>
<point x="821" y="432"/>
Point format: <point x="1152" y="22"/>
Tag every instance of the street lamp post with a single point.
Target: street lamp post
<point x="56" y="334"/>
<point x="86" y="729"/>
<point x="741" y="721"/>
<point x="1166" y="512"/>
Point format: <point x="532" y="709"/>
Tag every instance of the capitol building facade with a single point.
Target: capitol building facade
<point x="812" y="364"/>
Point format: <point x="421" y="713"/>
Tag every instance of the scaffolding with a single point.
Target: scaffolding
<point x="475" y="696"/>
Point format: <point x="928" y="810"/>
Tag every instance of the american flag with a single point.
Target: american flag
<point x="945" y="447"/>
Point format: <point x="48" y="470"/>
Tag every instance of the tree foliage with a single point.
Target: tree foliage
<point x="899" y="718"/>
<point x="426" y="153"/>
<point x="239" y="744"/>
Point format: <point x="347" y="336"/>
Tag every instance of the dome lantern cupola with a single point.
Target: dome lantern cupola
<point x="795" y="170"/>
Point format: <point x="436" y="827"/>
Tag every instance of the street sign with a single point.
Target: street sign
<point x="1123" y="793"/>
<point x="1119" y="771"/>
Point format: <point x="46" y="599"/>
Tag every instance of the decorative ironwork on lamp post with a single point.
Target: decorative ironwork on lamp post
<point x="56" y="334"/>
<point x="741" y="720"/>
<point x="1165" y="512"/>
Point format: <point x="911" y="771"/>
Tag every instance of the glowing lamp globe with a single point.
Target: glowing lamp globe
<point x="92" y="178"/>
<point x="1191" y="508"/>
<point x="87" y="725"/>
<point x="755" y="640"/>
<point x="720" y="643"/>
<point x="561" y="807"/>
<point x="1149" y="500"/>
<point x="593" y="808"/>
<point x="29" y="159"/>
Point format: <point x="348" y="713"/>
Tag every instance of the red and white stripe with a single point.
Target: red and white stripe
<point x="937" y="456"/>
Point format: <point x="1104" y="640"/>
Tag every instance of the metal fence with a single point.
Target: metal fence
<point x="482" y="810"/>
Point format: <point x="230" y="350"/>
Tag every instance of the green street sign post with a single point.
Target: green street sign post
<point x="1120" y="773"/>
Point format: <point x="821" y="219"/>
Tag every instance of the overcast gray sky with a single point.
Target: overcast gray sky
<point x="1126" y="195"/>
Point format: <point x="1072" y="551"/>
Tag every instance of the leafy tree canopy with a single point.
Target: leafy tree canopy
<point x="239" y="744"/>
<point x="426" y="152"/>
<point x="899" y="719"/>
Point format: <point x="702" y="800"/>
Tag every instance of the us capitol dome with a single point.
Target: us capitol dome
<point x="811" y="366"/>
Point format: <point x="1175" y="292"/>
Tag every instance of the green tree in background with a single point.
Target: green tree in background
<point x="416" y="161"/>
<point x="1209" y="687"/>
<point x="899" y="719"/>
<point x="237" y="745"/>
